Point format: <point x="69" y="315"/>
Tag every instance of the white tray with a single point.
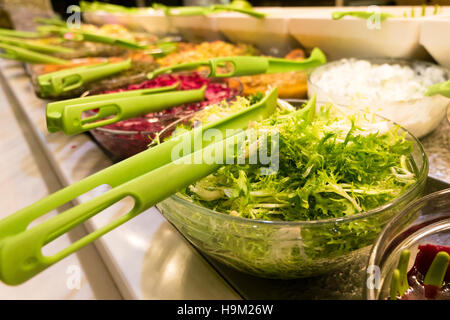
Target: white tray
<point x="270" y="34"/>
<point x="354" y="37"/>
<point x="197" y="28"/>
<point x="435" y="37"/>
<point x="284" y="28"/>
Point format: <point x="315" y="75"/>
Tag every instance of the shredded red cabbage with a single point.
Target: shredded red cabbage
<point x="155" y="122"/>
<point x="149" y="125"/>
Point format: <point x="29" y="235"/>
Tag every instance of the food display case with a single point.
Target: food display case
<point x="238" y="234"/>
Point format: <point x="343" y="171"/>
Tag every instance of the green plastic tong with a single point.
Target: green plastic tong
<point x="55" y="21"/>
<point x="442" y="88"/>
<point x="337" y="15"/>
<point x="82" y="35"/>
<point x="55" y="83"/>
<point x="148" y="177"/>
<point x="399" y="282"/>
<point x="433" y="277"/>
<point x="163" y="48"/>
<point x="67" y="115"/>
<point x="247" y="65"/>
<point x="89" y="36"/>
<point x="107" y="7"/>
<point x="34" y="46"/>
<point x="19" y="34"/>
<point x="203" y="11"/>
<point x="21" y="54"/>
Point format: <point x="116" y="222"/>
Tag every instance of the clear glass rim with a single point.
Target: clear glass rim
<point x="422" y="175"/>
<point x="380" y="61"/>
<point x="375" y="252"/>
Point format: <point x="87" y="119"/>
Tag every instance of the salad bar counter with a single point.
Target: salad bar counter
<point x="138" y="276"/>
<point x="242" y="170"/>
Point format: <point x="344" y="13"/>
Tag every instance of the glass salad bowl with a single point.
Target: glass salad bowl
<point x="384" y="92"/>
<point x="290" y="249"/>
<point x="425" y="221"/>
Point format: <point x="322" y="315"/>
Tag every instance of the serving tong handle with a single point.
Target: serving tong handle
<point x="55" y="83"/>
<point x="90" y="36"/>
<point x="250" y="12"/>
<point x="203" y="11"/>
<point x="337" y="15"/>
<point x="19" y="33"/>
<point x="442" y="88"/>
<point x="246" y="65"/>
<point x="54" y="21"/>
<point x="13" y="52"/>
<point x="34" y="46"/>
<point x="147" y="177"/>
<point x="110" y="108"/>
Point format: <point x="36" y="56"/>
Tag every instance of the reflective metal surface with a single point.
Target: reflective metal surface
<point x="147" y="257"/>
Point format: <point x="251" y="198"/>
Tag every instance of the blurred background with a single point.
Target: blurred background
<point x="21" y="12"/>
<point x="285" y="3"/>
<point x="60" y="6"/>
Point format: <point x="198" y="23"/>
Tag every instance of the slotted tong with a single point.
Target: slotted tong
<point x="66" y="115"/>
<point x="104" y="109"/>
<point x="148" y="177"/>
<point x="224" y="67"/>
<point x="55" y="83"/>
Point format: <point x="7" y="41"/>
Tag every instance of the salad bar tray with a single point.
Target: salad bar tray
<point x="149" y="259"/>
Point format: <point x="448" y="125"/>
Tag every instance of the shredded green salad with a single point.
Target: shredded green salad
<point x="331" y="165"/>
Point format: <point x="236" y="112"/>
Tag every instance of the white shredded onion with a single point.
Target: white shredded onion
<point x="361" y="79"/>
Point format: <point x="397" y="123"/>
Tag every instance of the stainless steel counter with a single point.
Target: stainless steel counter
<point x="25" y="177"/>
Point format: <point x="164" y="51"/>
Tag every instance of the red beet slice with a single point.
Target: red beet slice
<point x="125" y="145"/>
<point x="426" y="255"/>
<point x="154" y="122"/>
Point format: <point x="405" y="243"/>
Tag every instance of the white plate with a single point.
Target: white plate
<point x="149" y="20"/>
<point x="198" y="28"/>
<point x="270" y="34"/>
<point x="354" y="37"/>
